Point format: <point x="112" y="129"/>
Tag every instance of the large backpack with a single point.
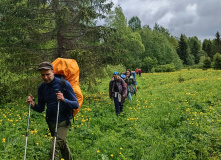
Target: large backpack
<point x="70" y="70"/>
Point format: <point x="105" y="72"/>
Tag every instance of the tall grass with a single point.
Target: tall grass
<point x="168" y="119"/>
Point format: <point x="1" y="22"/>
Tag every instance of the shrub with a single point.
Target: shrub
<point x="109" y="69"/>
<point x="14" y="86"/>
<point x="165" y="68"/>
<point x="207" y="63"/>
<point x="217" y="61"/>
<point x="180" y="78"/>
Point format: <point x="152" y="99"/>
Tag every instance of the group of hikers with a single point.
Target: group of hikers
<point x="61" y="102"/>
<point x="121" y="87"/>
<point x="138" y="71"/>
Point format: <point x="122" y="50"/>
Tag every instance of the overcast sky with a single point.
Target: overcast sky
<point x="201" y="18"/>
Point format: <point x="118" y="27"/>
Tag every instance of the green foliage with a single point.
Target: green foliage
<point x="217" y="61"/>
<point x="184" y="51"/>
<point x="148" y="64"/>
<point x="180" y="78"/>
<point x="127" y="45"/>
<point x="217" y="44"/>
<point x="109" y="69"/>
<point x="161" y="29"/>
<point x="207" y="63"/>
<point x="164" y="68"/>
<point x="208" y="47"/>
<point x="161" y="48"/>
<point x="32" y="32"/>
<point x="134" y="23"/>
<point x="195" y="47"/>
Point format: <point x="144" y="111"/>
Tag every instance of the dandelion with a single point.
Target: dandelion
<point x="121" y="148"/>
<point x="120" y="153"/>
<point x="49" y="134"/>
<point x="62" y="158"/>
<point x="51" y="137"/>
<point x="3" y="140"/>
<point x="112" y="155"/>
<point x="98" y="151"/>
<point x="37" y="144"/>
<point x="46" y="135"/>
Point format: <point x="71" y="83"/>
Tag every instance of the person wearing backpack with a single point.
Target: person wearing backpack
<point x="139" y="72"/>
<point x="118" y="92"/>
<point x="131" y="84"/>
<point x="50" y="93"/>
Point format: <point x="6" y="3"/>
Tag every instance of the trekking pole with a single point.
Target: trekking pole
<point x="27" y="131"/>
<point x="56" y="129"/>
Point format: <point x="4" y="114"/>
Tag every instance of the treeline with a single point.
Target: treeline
<point x="33" y="31"/>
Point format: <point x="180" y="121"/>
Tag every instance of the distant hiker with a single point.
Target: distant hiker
<point x="49" y="93"/>
<point x="136" y="70"/>
<point x="139" y="72"/>
<point x="131" y="84"/>
<point x="118" y="92"/>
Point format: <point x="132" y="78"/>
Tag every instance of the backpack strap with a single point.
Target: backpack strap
<point x="64" y="89"/>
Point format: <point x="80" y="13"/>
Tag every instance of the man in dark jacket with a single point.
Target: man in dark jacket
<point x="49" y="93"/>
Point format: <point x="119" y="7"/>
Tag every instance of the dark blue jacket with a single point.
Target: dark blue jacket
<point x="47" y="96"/>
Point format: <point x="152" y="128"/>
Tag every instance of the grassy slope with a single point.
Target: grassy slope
<point x="166" y="120"/>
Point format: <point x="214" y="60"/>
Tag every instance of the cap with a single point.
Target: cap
<point x="123" y="76"/>
<point x="45" y="65"/>
<point x="116" y="73"/>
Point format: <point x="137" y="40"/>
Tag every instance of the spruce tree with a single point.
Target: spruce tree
<point x="184" y="50"/>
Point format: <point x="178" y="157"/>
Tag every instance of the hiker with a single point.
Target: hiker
<point x="131" y="84"/>
<point x="136" y="70"/>
<point x="49" y="93"/>
<point x="139" y="72"/>
<point x="118" y="92"/>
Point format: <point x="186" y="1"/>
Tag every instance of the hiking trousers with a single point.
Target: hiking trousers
<point x="118" y="106"/>
<point x="61" y="142"/>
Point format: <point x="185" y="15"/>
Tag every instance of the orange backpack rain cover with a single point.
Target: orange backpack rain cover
<point x="69" y="68"/>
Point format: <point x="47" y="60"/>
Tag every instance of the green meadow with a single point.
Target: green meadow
<point x="174" y="116"/>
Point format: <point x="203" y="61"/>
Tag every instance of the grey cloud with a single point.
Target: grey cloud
<point x="203" y="23"/>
